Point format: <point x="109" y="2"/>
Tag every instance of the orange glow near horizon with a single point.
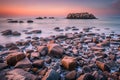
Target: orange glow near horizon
<point x="44" y="10"/>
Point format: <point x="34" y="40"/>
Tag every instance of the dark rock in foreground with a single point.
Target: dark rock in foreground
<point x="80" y="16"/>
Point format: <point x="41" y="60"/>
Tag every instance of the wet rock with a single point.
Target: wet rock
<point x="43" y="50"/>
<point x="75" y="29"/>
<point x="7" y="32"/>
<point x="36" y="31"/>
<point x="103" y="66"/>
<point x="55" y="50"/>
<point x="3" y="74"/>
<point x="86" y="76"/>
<point x="14" y="48"/>
<point x="104" y="43"/>
<point x="43" y="71"/>
<point x="34" y="70"/>
<point x="25" y="63"/>
<point x="70" y="36"/>
<point x="51" y="75"/>
<point x="29" y="51"/>
<point x="15" y="33"/>
<point x="19" y="74"/>
<point x="86" y="69"/>
<point x="29" y="21"/>
<point x="35" y="55"/>
<point x="35" y="38"/>
<point x="86" y="29"/>
<point x="38" y="63"/>
<point x="1" y="59"/>
<point x="71" y="75"/>
<point x="97" y="48"/>
<point x="1" y="47"/>
<point x="69" y="62"/>
<point x="3" y="66"/>
<point x="60" y="36"/>
<point x="9" y="45"/>
<point x="48" y="60"/>
<point x="13" y="58"/>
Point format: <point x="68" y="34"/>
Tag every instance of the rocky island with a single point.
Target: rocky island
<point x="84" y="15"/>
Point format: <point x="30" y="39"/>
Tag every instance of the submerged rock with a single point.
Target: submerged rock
<point x="15" y="33"/>
<point x="7" y="32"/>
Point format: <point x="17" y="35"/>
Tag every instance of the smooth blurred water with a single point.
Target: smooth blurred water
<point x="47" y="26"/>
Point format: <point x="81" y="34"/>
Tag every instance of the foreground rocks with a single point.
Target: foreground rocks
<point x="19" y="74"/>
<point x="71" y="56"/>
<point x="69" y="63"/>
<point x="13" y="58"/>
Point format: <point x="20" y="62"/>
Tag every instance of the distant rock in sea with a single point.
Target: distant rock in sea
<point x="39" y="18"/>
<point x="84" y="15"/>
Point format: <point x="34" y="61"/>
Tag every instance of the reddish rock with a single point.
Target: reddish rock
<point x="71" y="75"/>
<point x="86" y="76"/>
<point x="97" y="48"/>
<point x="25" y="63"/>
<point x="19" y="74"/>
<point x="69" y="62"/>
<point x="13" y="58"/>
<point x="43" y="50"/>
<point x="43" y="71"/>
<point x="103" y="66"/>
<point x="51" y="75"/>
<point x="55" y="50"/>
<point x="38" y="63"/>
<point x="35" y="55"/>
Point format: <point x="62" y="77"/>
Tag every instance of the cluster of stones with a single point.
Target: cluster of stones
<point x="10" y="32"/>
<point x="71" y="56"/>
<point x="85" y="15"/>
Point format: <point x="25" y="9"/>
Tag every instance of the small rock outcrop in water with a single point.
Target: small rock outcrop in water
<point x="10" y="32"/>
<point x="80" y="16"/>
<point x="39" y="18"/>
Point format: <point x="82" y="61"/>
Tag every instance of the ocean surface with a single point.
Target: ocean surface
<point x="105" y="25"/>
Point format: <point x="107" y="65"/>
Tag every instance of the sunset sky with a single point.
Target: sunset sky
<point x="58" y="7"/>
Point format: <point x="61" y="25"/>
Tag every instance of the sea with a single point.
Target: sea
<point x="101" y="25"/>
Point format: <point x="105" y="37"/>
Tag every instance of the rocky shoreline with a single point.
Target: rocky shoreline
<point x="72" y="56"/>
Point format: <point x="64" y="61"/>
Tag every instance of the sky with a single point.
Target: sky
<point x="58" y="7"/>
